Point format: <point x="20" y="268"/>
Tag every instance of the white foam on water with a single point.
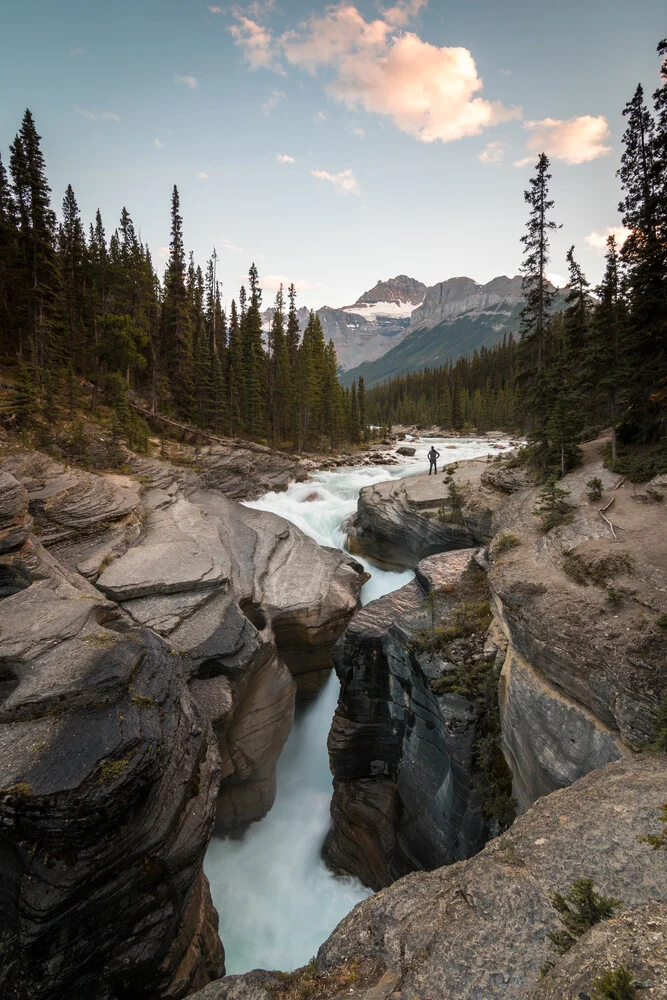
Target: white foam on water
<point x="276" y="898"/>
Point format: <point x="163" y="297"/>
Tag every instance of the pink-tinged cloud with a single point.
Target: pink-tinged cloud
<point x="215" y="10"/>
<point x="284" y="158"/>
<point x="598" y="241"/>
<point x="493" y="152"/>
<point x="256" y="42"/>
<point x="401" y="13"/>
<point x="431" y="93"/>
<point x="577" y="140"/>
<point x="327" y="39"/>
<point x="344" y="182"/>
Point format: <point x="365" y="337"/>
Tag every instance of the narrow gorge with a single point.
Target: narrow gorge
<point x="167" y="632"/>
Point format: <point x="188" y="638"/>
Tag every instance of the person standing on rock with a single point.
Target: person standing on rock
<point x="433" y="457"/>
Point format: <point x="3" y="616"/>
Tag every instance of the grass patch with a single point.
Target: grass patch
<point x="20" y="790"/>
<point x="505" y="541"/>
<point x="110" y="770"/>
<point x="597" y="571"/>
<point x="142" y="701"/>
<point x="309" y="984"/>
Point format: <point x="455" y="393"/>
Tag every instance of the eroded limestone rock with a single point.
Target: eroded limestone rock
<point x="405" y="785"/>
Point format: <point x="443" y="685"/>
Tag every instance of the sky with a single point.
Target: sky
<point x="334" y="145"/>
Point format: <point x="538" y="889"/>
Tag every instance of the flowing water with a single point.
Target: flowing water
<point x="276" y="899"/>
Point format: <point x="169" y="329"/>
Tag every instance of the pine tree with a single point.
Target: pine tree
<point x="254" y="360"/>
<point x="177" y="319"/>
<point x="279" y="371"/>
<point x="235" y="373"/>
<point x="644" y="254"/>
<point x="9" y="236"/>
<point x="361" y="403"/>
<point x="606" y="367"/>
<point x="73" y="253"/>
<point x="39" y="315"/>
<point x="537" y="290"/>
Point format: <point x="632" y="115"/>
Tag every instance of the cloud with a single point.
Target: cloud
<point x="273" y="100"/>
<point x="432" y="93"/>
<point x="78" y="52"/>
<point x="163" y="253"/>
<point x="505" y="72"/>
<point x="403" y="12"/>
<point x="85" y="113"/>
<point x="228" y="245"/>
<point x="215" y="10"/>
<point x="576" y="140"/>
<point x="202" y="175"/>
<point x="557" y="279"/>
<point x="360" y="132"/>
<point x="493" y="152"/>
<point x="190" y="81"/>
<point x="257" y="43"/>
<point x="598" y="241"/>
<point x="344" y="182"/>
<point x="284" y="158"/>
<point x="158" y="144"/>
<point x="109" y="116"/>
<point x="272" y="282"/>
<point x="319" y="117"/>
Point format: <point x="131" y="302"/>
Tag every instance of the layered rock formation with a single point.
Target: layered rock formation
<point x="478" y="929"/>
<point x="406" y="787"/>
<point x="109" y="778"/>
<point x="584" y="674"/>
<point x="146" y="677"/>
<point x="456" y="296"/>
<point x="400" y="522"/>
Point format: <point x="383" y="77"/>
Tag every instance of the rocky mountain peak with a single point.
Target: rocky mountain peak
<point x="402" y="288"/>
<point x="449" y="299"/>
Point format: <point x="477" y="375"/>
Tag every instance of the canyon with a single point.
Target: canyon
<point x="155" y="636"/>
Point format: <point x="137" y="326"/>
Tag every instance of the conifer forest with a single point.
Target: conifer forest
<point x="84" y="318"/>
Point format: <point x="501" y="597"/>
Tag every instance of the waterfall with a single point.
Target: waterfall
<point x="276" y="899"/>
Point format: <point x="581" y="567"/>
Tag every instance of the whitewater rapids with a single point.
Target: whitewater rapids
<point x="276" y="899"/>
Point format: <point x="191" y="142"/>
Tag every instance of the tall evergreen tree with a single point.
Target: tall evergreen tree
<point x="177" y="319"/>
<point x="40" y="317"/>
<point x="644" y="254"/>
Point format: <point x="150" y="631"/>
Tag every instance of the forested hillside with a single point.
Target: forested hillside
<point x="599" y="361"/>
<point x="85" y="317"/>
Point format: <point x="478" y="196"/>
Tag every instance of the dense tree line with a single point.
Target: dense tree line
<point x="76" y="306"/>
<point x="599" y="361"/>
<point x="477" y="393"/>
